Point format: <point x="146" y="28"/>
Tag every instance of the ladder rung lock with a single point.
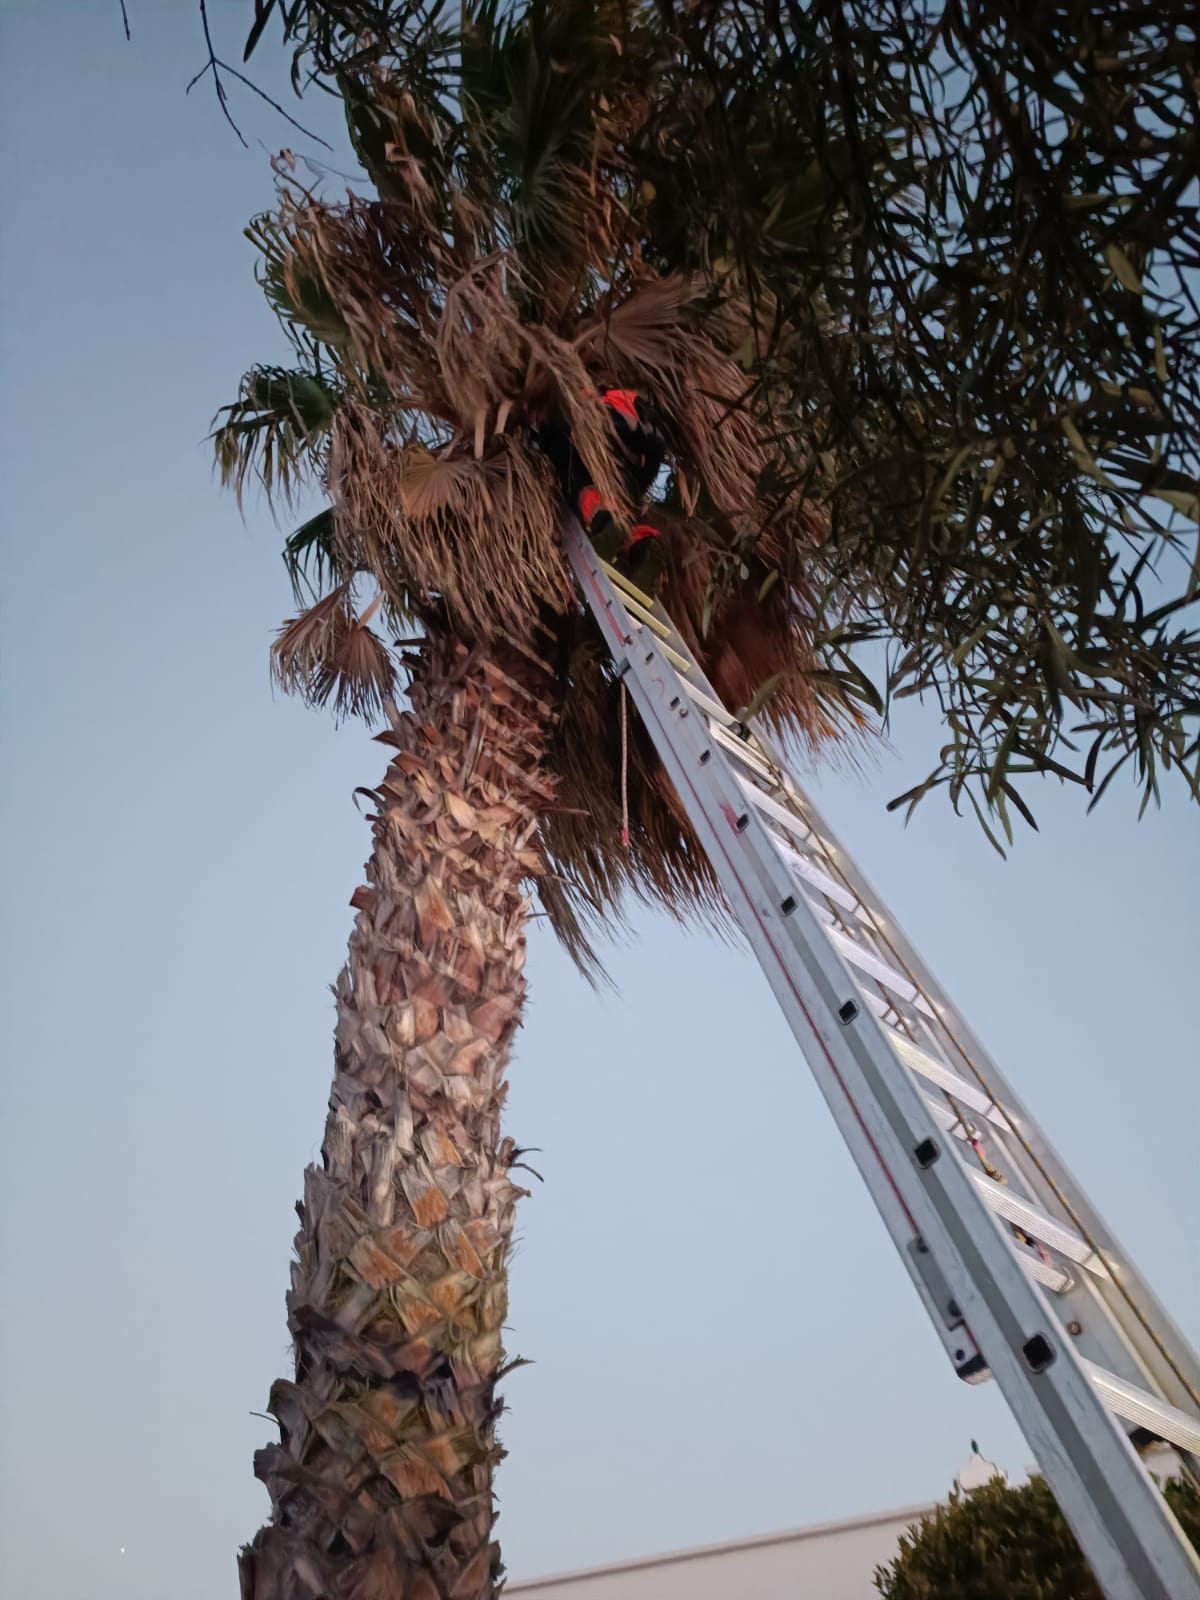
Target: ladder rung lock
<point x="1145" y="1409"/>
<point x="885" y="1008"/>
<point x="946" y="1116"/>
<point x="1044" y="1272"/>
<point x="1032" y="1219"/>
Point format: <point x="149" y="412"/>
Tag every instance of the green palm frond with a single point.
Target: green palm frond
<point x="309" y="555"/>
<point x="542" y="87"/>
<point x="274" y="431"/>
<point x="293" y="287"/>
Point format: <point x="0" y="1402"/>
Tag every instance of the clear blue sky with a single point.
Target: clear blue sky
<point x="723" y="1342"/>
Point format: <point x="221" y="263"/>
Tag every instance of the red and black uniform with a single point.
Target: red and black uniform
<point x="640" y="452"/>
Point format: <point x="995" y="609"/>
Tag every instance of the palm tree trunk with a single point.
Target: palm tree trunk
<point x="381" y="1484"/>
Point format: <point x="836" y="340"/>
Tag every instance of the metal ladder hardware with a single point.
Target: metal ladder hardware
<point x="1022" y="1279"/>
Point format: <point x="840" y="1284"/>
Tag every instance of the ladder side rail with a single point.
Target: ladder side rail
<point x="1132" y="1540"/>
<point x="1148" y="1349"/>
<point x="1105" y="1328"/>
<point x="1162" y="1352"/>
<point x="957" y="1339"/>
<point x="1110" y="1332"/>
<point x="1109" y="1335"/>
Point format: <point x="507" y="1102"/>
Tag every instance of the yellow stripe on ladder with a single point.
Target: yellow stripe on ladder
<point x="629" y="591"/>
<point x="638" y="606"/>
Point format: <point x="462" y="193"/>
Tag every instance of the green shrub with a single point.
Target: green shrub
<point x="1004" y="1542"/>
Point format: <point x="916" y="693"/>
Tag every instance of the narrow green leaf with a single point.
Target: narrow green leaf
<point x="762" y="696"/>
<point x="988" y="834"/>
<point x="262" y="15"/>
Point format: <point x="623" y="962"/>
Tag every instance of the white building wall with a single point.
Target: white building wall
<point x="833" y="1561"/>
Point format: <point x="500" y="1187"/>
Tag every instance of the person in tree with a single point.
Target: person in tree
<point x="639" y="551"/>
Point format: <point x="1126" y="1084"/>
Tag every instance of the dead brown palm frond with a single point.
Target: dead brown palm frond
<point x="481" y="344"/>
<point x="475" y="537"/>
<point x="499" y="564"/>
<point x="663" y="337"/>
<point x="757" y="645"/>
<point x="579" y="407"/>
<point x="699" y="392"/>
<point x="355" y="279"/>
<point x="363" y="677"/>
<point x="592" y="875"/>
<point x="491" y="362"/>
<point x="327" y="655"/>
<point x="444" y="487"/>
<point x="308" y="642"/>
<point x="638" y="327"/>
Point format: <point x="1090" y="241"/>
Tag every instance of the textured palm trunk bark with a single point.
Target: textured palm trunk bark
<point x="381" y="1484"/>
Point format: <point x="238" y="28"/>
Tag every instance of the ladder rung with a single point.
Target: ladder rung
<point x="681" y="665"/>
<point x="1045" y="1272"/>
<point x="869" y="963"/>
<point x="773" y="808"/>
<point x="1033" y="1220"/>
<point x="829" y="887"/>
<point x="639" y="606"/>
<point x="741" y="750"/>
<point x="646" y="617"/>
<point x="1146" y="1409"/>
<point x="946" y="1078"/>
<point x="628" y="589"/>
<point x="710" y="707"/>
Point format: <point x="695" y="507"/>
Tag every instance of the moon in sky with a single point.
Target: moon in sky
<point x="122" y="1549"/>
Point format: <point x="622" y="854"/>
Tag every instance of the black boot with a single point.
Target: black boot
<point x="645" y="559"/>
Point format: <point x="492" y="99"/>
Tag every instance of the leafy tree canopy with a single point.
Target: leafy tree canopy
<point x="967" y="235"/>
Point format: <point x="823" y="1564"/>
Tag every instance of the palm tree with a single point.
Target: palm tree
<point x="502" y="272"/>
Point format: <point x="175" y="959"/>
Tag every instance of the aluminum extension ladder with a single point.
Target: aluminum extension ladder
<point x="1021" y="1278"/>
